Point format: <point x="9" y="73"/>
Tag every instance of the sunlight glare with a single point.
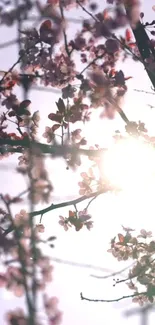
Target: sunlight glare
<point x="130" y="165"/>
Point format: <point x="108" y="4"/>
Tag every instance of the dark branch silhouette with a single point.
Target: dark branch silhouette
<point x="112" y="300"/>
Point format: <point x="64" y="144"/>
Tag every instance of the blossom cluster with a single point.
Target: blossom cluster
<point x="34" y="164"/>
<point x="49" y="57"/>
<point x="18" y="257"/>
<point x="78" y="220"/>
<point x="141" y="276"/>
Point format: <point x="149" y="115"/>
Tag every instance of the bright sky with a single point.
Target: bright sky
<point x="109" y="212"/>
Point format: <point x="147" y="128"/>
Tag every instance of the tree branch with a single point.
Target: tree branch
<point x="81" y="265"/>
<point x="113" y="300"/>
<point x="62" y="205"/>
<point x="68" y="203"/>
<point x="56" y="150"/>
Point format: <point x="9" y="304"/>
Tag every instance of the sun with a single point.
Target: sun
<point x="130" y="165"/>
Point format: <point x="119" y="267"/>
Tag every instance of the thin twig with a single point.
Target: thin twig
<point x="94" y="198"/>
<point x="19" y="195"/>
<point x="64" y="31"/>
<point x="90" y="266"/>
<point x="91" y="63"/>
<point x="113" y="300"/>
<point x="88" y="12"/>
<point x="144" y="91"/>
<point x="68" y="127"/>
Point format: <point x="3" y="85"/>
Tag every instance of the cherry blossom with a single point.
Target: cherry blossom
<point x="84" y="68"/>
<point x="49" y="134"/>
<point x="40" y="228"/>
<point x="21" y="218"/>
<point x="63" y="222"/>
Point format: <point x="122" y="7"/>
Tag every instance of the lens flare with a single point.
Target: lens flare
<point x="130" y="165"/>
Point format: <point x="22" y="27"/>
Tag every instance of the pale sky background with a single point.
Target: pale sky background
<point x="109" y="212"/>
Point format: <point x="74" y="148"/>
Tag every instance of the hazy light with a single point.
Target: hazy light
<point x="130" y="165"/>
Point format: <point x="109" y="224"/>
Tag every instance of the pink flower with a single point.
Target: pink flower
<point x="131" y="285"/>
<point x="51" y="303"/>
<point x="48" y="134"/>
<point x="89" y="224"/>
<point x="21" y="218"/>
<point x="47" y="273"/>
<point x="53" y="313"/>
<point x="24" y="159"/>
<point x="27" y="231"/>
<point x="76" y="135"/>
<point x="16" y="317"/>
<point x="15" y="279"/>
<point x="57" y="319"/>
<point x="127" y="229"/>
<point x="86" y="182"/>
<point x="17" y="289"/>
<point x="84" y="216"/>
<point x="44" y="261"/>
<point x="40" y="228"/>
<point x="140" y="299"/>
<point x="68" y="91"/>
<point x="63" y="222"/>
<point x="145" y="234"/>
